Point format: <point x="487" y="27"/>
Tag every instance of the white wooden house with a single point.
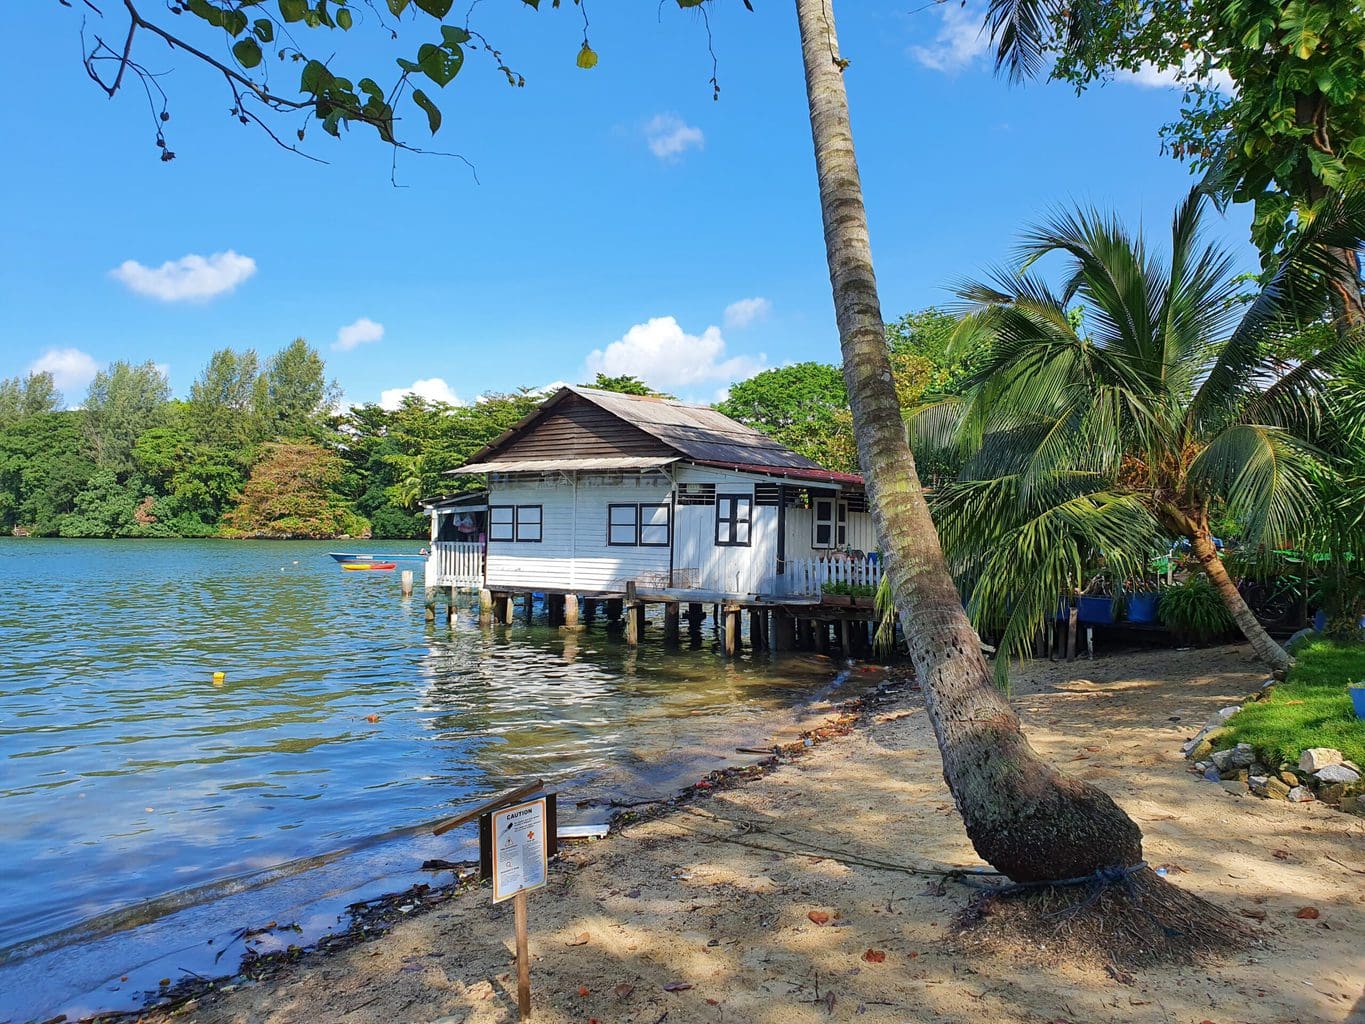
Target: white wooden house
<point x="594" y="490"/>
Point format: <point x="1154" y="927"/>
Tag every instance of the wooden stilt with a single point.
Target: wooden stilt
<point x="1071" y="636"/>
<point x="405" y="583"/>
<point x="821" y="635"/>
<point x="450" y="605"/>
<point x="671" y="623"/>
<point x="502" y="607"/>
<point x="429" y="604"/>
<point x="485" y="608"/>
<point x="784" y="631"/>
<point x="756" y="642"/>
<point x="528" y="608"/>
<point x="635" y="617"/>
<point x="614" y="606"/>
<point x="589" y="611"/>
<point x="732" y="628"/>
<point x="554" y="607"/>
<point x="846" y="637"/>
<point x="571" y="611"/>
<point x="523" y="957"/>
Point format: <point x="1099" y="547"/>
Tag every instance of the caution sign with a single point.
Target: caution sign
<point x="520" y="849"/>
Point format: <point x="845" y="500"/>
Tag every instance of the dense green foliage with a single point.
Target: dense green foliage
<point x="1311" y="708"/>
<point x="1292" y="129"/>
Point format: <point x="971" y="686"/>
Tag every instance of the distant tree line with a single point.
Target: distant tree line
<point x="259" y="448"/>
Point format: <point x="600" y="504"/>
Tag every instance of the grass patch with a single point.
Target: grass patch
<point x="1311" y="708"/>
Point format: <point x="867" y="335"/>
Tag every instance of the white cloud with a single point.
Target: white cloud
<point x="433" y="389"/>
<point x="669" y="136"/>
<point x="961" y="39"/>
<point x="666" y="357"/>
<point x="72" y="370"/>
<point x="353" y="335"/>
<point x="742" y="313"/>
<point x="1153" y="77"/>
<point x="191" y="278"/>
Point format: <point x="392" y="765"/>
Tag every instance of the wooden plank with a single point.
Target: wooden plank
<point x="671" y="630"/>
<point x="511" y="796"/>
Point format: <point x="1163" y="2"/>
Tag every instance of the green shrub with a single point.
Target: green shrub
<point x="1194" y="610"/>
<point x="848" y="589"/>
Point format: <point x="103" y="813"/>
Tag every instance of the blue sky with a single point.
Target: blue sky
<point x="618" y="215"/>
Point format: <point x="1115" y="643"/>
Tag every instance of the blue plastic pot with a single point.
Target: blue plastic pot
<point x="1095" y="610"/>
<point x="1142" y="607"/>
<point x="1358" y="699"/>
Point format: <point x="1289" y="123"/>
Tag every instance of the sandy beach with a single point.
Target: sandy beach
<point x="784" y="900"/>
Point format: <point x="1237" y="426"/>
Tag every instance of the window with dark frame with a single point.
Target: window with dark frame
<point x="502" y="522"/>
<point x="841" y="526"/>
<point x="654" y="524"/>
<point x="530" y="520"/>
<point x="623" y="525"/>
<point x="822" y="534"/>
<point x="510" y="524"/>
<point x="734" y="520"/>
<point x="643" y="524"/>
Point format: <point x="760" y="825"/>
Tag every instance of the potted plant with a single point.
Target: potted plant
<point x="837" y="594"/>
<point x="1357" y="692"/>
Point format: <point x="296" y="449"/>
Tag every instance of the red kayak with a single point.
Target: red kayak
<point x="356" y="566"/>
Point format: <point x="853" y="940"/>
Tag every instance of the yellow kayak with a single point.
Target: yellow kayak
<point x="353" y="566"/>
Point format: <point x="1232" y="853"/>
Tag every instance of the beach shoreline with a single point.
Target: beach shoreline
<point x="791" y="897"/>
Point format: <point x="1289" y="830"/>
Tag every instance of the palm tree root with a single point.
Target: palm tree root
<point x="1122" y="921"/>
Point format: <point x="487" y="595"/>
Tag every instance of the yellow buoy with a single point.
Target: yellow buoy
<point x="218" y="678"/>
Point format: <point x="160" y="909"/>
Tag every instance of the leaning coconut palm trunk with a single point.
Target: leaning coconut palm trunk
<point x="1023" y="816"/>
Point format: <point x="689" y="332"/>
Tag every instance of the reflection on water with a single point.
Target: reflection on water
<point x="127" y="774"/>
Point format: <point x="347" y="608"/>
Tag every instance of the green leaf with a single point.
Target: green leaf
<point x="265" y="31"/>
<point x="207" y="11"/>
<point x="371" y="88"/>
<point x="587" y="57"/>
<point x="315" y="77"/>
<point x="246" y="51"/>
<point x="344" y="19"/>
<point x="438" y="65"/>
<point x="234" y="22"/>
<point x="690" y="3"/>
<point x="436" y="8"/>
<point x="293" y="10"/>
<point x="397" y="7"/>
<point x="454" y="37"/>
<point x="409" y="66"/>
<point x="432" y="111"/>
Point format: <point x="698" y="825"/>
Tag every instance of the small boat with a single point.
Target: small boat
<point x="354" y="566"/>
<point x="351" y="557"/>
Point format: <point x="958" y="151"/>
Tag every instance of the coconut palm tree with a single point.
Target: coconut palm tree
<point x="1023" y="816"/>
<point x="1130" y="406"/>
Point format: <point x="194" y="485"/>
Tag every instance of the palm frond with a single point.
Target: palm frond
<point x="1264" y="474"/>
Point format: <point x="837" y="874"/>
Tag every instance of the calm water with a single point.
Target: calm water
<point x="140" y="805"/>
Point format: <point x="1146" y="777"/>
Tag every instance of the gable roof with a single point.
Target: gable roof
<point x="694" y="433"/>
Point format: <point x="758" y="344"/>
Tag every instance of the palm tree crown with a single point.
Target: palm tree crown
<point x="1125" y="408"/>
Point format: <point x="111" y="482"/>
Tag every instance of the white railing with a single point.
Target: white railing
<point x="455" y="564"/>
<point x="806" y="576"/>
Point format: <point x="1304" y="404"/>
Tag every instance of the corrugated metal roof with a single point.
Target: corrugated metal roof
<point x="607" y="464"/>
<point x="697" y="433"/>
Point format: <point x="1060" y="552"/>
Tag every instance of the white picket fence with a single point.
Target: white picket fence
<point x="806" y="576"/>
<point x="455" y="564"/>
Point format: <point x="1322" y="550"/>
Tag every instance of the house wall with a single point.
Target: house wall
<point x="862" y="535"/>
<point x="741" y="570"/>
<point x="573" y="554"/>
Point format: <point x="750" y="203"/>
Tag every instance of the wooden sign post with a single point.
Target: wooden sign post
<point x="516" y="842"/>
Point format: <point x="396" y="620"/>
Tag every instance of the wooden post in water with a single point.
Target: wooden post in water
<point x="671" y="628"/>
<point x="614" y="606"/>
<point x="528" y="608"/>
<point x="846" y="637"/>
<point x="571" y="611"/>
<point x="757" y="641"/>
<point x="502" y="608"/>
<point x="405" y="583"/>
<point x="450" y="606"/>
<point x="821" y="635"/>
<point x="554" y="607"/>
<point x="696" y="616"/>
<point x="589" y="611"/>
<point x="635" y="616"/>
<point x="784" y="631"/>
<point x="485" y="608"/>
<point x="733" y="625"/>
<point x="429" y="604"/>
